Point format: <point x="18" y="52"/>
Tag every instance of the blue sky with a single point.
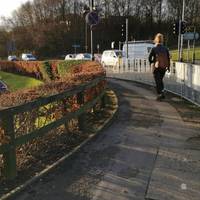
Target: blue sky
<point x="7" y="6"/>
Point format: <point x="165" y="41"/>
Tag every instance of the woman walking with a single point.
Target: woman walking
<point x="160" y="61"/>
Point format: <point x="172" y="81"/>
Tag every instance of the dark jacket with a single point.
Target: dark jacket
<point x="155" y="50"/>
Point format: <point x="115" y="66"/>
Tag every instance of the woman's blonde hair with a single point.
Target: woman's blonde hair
<point x="159" y="38"/>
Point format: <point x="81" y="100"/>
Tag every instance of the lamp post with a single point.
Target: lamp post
<point x="91" y="31"/>
<point x="127" y="38"/>
<point x="86" y="11"/>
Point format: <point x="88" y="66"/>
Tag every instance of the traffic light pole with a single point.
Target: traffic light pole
<point x="127" y="38"/>
<point x="181" y="35"/>
<point x="91" y="31"/>
<point x="86" y="37"/>
<point x="179" y="39"/>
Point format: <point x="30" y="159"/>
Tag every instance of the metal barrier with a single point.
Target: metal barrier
<point x="183" y="78"/>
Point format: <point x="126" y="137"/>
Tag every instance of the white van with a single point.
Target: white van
<point x="138" y="49"/>
<point x="112" y="57"/>
<point x="28" y="57"/>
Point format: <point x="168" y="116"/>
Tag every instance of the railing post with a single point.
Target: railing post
<point x="96" y="107"/>
<point x="10" y="166"/>
<point x="103" y="101"/>
<point x="81" y="118"/>
<point x="64" y="112"/>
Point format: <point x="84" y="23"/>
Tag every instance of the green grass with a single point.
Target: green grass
<point x="67" y="66"/>
<point x="16" y="82"/>
<point x="174" y="54"/>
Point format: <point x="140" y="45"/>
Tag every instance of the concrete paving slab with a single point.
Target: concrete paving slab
<point x="168" y="184"/>
<point x="144" y="154"/>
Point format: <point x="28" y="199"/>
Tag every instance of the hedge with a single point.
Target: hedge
<point x="67" y="67"/>
<point x="45" y="70"/>
<point x="22" y="67"/>
<point x="84" y="72"/>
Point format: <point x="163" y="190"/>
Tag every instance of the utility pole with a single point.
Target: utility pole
<point x="181" y="42"/>
<point x="86" y="38"/>
<point x="127" y="38"/>
<point x="179" y="39"/>
<point x="75" y="21"/>
<point x="91" y="31"/>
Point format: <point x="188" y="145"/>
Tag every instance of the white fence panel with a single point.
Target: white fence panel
<point x="184" y="78"/>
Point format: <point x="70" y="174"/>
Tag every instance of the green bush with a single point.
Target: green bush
<point x="46" y="71"/>
<point x="67" y="67"/>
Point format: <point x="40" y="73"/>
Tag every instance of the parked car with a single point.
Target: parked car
<point x="84" y="56"/>
<point x="70" y="57"/>
<point x="28" y="57"/>
<point x="111" y="57"/>
<point x="12" y="58"/>
<point x="3" y="87"/>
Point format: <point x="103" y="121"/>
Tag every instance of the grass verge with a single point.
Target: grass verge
<point x="16" y="82"/>
<point x="186" y="55"/>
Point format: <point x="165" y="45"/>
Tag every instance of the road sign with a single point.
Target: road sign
<point x="190" y="36"/>
<point x="92" y="18"/>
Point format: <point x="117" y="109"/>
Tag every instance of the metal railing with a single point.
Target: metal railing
<point x="183" y="79"/>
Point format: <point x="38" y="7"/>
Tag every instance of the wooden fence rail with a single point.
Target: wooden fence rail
<point x="7" y="118"/>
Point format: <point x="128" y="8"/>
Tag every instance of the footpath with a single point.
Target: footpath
<point x="149" y="152"/>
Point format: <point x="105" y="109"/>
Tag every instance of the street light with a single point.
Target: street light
<point x="85" y="12"/>
<point x="91" y="8"/>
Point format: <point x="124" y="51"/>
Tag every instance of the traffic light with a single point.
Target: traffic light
<point x="123" y="31"/>
<point x="183" y="27"/>
<point x="86" y="10"/>
<point x="176" y="28"/>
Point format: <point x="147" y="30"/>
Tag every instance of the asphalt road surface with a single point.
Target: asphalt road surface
<point x="144" y="154"/>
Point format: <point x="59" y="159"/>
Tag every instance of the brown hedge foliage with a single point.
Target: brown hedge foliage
<point x="22" y="67"/>
<point x="85" y="72"/>
<point x="36" y="68"/>
<point x="54" y="64"/>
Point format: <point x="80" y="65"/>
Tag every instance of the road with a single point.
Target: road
<point x="144" y="154"/>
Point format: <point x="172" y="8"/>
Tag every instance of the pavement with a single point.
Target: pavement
<point x="144" y="154"/>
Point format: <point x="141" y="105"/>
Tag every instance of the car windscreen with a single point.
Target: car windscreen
<point x="87" y="55"/>
<point x="30" y="56"/>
